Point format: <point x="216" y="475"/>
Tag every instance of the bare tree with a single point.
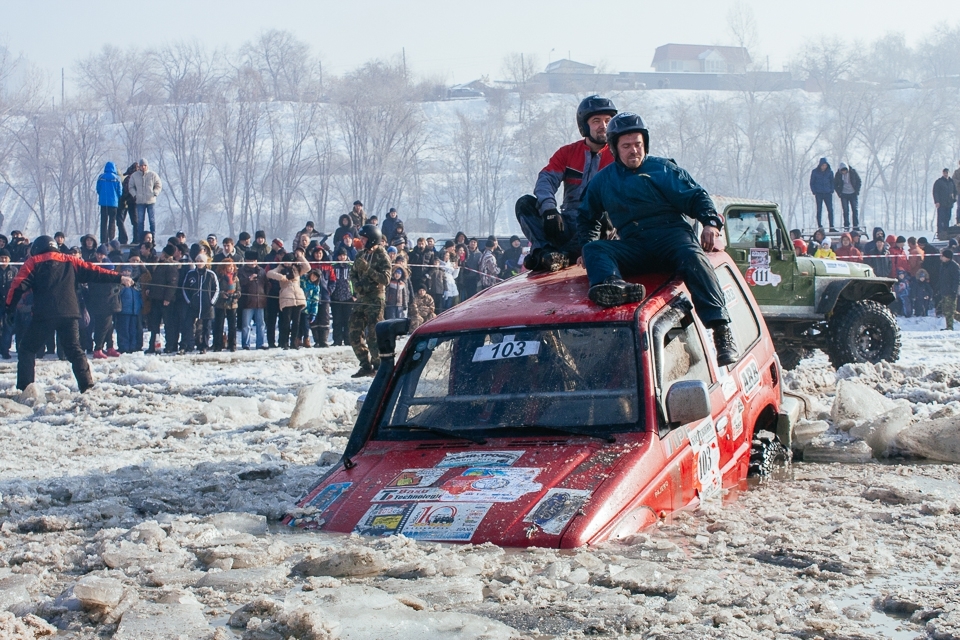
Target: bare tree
<point x="519" y="69"/>
<point x="825" y="62"/>
<point x="381" y="130"/>
<point x="742" y="25"/>
<point x="493" y="152"/>
<point x="284" y="65"/>
<point x="291" y="157"/>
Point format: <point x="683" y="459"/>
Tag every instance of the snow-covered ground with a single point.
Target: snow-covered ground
<point x="148" y="508"/>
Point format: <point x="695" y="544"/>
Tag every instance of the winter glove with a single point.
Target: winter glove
<point x="553" y="226"/>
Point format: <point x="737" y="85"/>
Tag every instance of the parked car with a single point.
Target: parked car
<point x="529" y="416"/>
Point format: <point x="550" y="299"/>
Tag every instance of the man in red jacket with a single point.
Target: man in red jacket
<point x="552" y="231"/>
<point x="53" y="277"/>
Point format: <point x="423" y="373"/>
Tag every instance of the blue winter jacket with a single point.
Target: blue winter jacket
<point x="821" y="181"/>
<point x="109" y="186"/>
<point x="656" y="195"/>
<point x="131" y="302"/>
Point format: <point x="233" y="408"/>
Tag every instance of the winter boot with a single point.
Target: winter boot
<point x="100" y="355"/>
<point x="365" y="371"/>
<point x="614" y="291"/>
<point x="726" y="344"/>
<point x="113" y="353"/>
<point x="554" y="261"/>
<point x="531" y="262"/>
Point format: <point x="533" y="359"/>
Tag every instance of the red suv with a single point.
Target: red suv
<point x="529" y="416"/>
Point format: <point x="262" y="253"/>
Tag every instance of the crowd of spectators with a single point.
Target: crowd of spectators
<point x="212" y="294"/>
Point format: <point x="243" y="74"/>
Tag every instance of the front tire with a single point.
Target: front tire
<point x="865" y="331"/>
<point x="766" y="451"/>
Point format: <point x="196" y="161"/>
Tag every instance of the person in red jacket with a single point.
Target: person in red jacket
<point x="552" y="230"/>
<point x="847" y="251"/>
<point x="53" y="278"/>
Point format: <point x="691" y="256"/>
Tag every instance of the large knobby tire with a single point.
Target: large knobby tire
<point x="865" y="331"/>
<point x="766" y="452"/>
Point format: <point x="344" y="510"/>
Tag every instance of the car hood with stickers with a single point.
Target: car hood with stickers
<point x="528" y="416"/>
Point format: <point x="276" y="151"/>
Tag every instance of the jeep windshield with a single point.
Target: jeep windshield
<point x="573" y="379"/>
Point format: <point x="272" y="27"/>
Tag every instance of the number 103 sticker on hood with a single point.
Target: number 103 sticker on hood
<point x="508" y="348"/>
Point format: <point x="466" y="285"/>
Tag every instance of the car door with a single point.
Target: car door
<point x="759" y="247"/>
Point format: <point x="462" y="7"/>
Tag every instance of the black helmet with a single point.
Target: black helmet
<point x="43" y="244"/>
<point x="591" y="106"/>
<point x="626" y="122"/>
<point x="372" y="234"/>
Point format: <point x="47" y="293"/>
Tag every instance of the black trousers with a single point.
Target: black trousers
<point x="108" y="224"/>
<point x="68" y="332"/>
<point x="102" y="331"/>
<point x="341" y="323"/>
<point x="290" y="326"/>
<point x="230" y="316"/>
<point x="674" y="249"/>
<point x="270" y="316"/>
<point x="171" y="327"/>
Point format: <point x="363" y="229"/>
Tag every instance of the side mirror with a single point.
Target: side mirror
<point x="778" y="234"/>
<point x="387" y="333"/>
<point x="688" y="401"/>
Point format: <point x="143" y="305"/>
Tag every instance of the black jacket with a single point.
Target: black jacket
<point x="944" y="191"/>
<point x="200" y="291"/>
<point x="948" y="280"/>
<point x="53" y="277"/>
<point x="854" y="182"/>
<point x="6" y="280"/>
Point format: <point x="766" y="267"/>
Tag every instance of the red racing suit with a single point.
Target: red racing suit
<point x="574" y="165"/>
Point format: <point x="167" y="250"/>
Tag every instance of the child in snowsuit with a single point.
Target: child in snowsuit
<point x="921" y="294"/>
<point x="128" y="319"/>
<point x="903" y="305"/>
<point x="421" y="308"/>
<point x="310" y="283"/>
<point x="396" y="304"/>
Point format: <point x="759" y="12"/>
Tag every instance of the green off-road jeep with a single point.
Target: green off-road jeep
<point x="839" y="307"/>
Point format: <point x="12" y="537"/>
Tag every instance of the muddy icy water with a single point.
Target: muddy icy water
<point x="149" y="508"/>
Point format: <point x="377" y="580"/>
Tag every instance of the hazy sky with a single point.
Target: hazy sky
<point x="458" y="40"/>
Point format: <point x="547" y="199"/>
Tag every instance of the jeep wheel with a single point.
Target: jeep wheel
<point x="865" y="331"/>
<point x="766" y="452"/>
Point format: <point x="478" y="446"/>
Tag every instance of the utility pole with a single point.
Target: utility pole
<point x="63" y="84"/>
<point x="404" y="52"/>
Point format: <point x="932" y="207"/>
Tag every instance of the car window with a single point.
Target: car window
<point x="746" y="328"/>
<point x="555" y="376"/>
<point x="750" y="229"/>
<point x="683" y="355"/>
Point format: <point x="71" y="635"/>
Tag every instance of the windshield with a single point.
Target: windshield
<point x="574" y="377"/>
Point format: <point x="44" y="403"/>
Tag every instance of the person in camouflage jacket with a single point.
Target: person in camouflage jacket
<point x="369" y="276"/>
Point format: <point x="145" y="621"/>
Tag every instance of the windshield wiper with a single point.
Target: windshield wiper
<point x="442" y="431"/>
<point x="569" y="430"/>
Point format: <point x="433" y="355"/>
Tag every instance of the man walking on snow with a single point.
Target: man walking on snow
<point x="553" y="232"/>
<point x="53" y="277"/>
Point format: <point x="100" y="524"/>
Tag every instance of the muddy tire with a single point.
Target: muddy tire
<point x="865" y="331"/>
<point x="766" y="452"/>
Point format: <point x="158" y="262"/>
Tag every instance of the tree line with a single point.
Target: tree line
<point x="261" y="137"/>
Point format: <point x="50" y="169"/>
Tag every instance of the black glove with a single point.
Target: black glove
<point x="553" y="226"/>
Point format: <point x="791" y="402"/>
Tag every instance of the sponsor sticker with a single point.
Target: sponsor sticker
<point x="481" y="484"/>
<point x="730" y="297"/>
<point x="737" y="419"/>
<point x="383" y="519"/>
<point x="759" y="257"/>
<point x="760" y="276"/>
<point x="750" y="377"/>
<point x="508" y="348"/>
<point x="417" y="478"/>
<point x="556" y="509"/>
<point x="706" y="451"/>
<point x="443" y="522"/>
<point x="327" y="496"/>
<point x="836" y="267"/>
<point x="479" y="459"/>
<point x="729" y="387"/>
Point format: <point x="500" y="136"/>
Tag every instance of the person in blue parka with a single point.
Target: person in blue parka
<point x="109" y="188"/>
<point x="821" y="185"/>
<point x="647" y="199"/>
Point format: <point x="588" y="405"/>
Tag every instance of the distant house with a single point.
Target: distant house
<point x="569" y="66"/>
<point x="700" y="58"/>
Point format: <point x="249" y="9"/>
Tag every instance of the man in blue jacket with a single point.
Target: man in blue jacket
<point x="821" y="184"/>
<point x="646" y="198"/>
<point x="109" y="187"/>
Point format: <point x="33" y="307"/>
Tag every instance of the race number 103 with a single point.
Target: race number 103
<point x="508" y="348"/>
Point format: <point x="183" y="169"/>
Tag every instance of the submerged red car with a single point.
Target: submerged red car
<point x="529" y="416"/>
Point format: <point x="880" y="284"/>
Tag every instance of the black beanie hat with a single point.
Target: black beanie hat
<point x="251" y="255"/>
<point x="243" y="236"/>
<point x="169" y="250"/>
<point x="262" y="234"/>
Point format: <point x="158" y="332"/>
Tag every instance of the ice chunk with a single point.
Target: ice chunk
<point x="933" y="439"/>
<point x="14" y="589"/>
<point x="28" y="627"/>
<point x="241" y="579"/>
<point x="440" y="591"/>
<point x="156" y="621"/>
<point x="241" y="522"/>
<point x="806" y="432"/>
<point x="360" y="561"/>
<point x="880" y="432"/>
<point x="94" y="591"/>
<point x="838" y="452"/>
<point x="367" y="613"/>
<point x="858" y="402"/>
<point x="9" y="407"/>
<point x="311" y="400"/>
<point x="232" y="410"/>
